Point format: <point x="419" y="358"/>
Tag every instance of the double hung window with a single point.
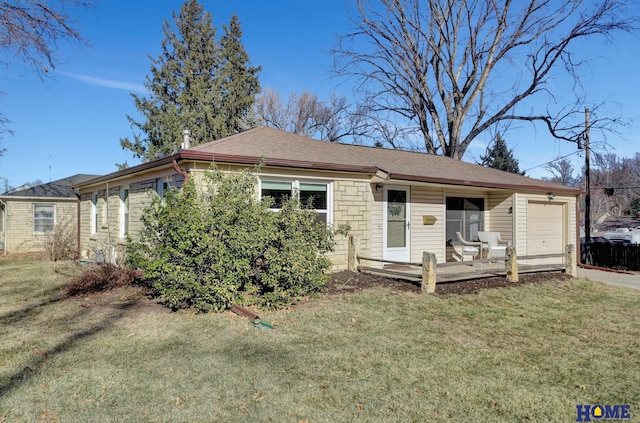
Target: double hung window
<point x="43" y="218"/>
<point x="316" y="195"/>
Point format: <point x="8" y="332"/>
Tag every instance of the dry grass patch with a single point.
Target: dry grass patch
<point x="507" y="355"/>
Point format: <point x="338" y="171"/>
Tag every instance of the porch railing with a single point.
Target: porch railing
<point x="429" y="266"/>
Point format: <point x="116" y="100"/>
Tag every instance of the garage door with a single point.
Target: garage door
<point x="545" y="231"/>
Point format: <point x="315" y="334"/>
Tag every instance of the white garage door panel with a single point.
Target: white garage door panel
<point x="545" y="233"/>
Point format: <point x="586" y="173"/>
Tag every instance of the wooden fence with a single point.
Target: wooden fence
<point x="611" y="255"/>
<point x="429" y="266"/>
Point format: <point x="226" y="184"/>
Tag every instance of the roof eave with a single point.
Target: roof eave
<point x="480" y="184"/>
<point x="129" y="171"/>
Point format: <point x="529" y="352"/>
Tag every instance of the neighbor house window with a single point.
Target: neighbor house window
<point x="464" y="215"/>
<point x="314" y="194"/>
<point x="124" y="212"/>
<point x="43" y="218"/>
<point x="94" y="212"/>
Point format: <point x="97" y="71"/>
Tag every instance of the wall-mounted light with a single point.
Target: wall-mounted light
<point x="510" y="210"/>
<point x="551" y="196"/>
<point x="378" y="188"/>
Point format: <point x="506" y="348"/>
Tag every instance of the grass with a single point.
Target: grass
<point x="510" y="355"/>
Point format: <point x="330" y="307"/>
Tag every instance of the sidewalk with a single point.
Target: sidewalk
<point x="611" y="278"/>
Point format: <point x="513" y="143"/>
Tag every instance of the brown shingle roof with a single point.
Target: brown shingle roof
<point x="290" y="150"/>
<point x="284" y="149"/>
<point x="62" y="188"/>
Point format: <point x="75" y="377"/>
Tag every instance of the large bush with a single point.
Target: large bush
<point x="216" y="244"/>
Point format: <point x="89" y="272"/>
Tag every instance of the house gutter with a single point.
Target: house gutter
<point x="481" y="184"/>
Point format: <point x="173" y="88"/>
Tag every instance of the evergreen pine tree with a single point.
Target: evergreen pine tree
<point x="500" y="157"/>
<point x="186" y="87"/>
<point x="236" y="81"/>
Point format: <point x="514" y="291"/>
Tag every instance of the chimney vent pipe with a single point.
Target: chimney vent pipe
<point x="185" y="139"/>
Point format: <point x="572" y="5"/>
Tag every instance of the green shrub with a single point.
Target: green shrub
<point x="217" y="244"/>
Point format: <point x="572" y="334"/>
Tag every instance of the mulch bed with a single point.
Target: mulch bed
<point x="350" y="282"/>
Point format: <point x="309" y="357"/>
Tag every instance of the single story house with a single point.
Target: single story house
<point x="29" y="215"/>
<point x="396" y="203"/>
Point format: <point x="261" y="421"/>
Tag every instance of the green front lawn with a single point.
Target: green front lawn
<point x="523" y="354"/>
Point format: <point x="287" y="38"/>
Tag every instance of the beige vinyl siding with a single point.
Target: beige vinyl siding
<point x="498" y="217"/>
<point x="427" y="201"/>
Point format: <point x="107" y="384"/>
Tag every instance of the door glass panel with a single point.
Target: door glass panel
<point x="396" y="218"/>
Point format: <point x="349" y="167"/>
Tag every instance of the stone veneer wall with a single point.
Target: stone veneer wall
<point x="352" y="206"/>
<point x="107" y="236"/>
<point x="19" y="224"/>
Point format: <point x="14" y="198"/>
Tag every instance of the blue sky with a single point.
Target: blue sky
<point x="73" y="122"/>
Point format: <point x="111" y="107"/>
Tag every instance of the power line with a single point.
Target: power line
<point x="554" y="160"/>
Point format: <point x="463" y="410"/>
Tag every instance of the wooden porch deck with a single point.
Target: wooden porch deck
<point x="458" y="271"/>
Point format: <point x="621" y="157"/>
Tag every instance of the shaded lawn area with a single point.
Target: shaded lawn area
<point x="530" y="353"/>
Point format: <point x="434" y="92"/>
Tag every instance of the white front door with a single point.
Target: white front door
<point x="396" y="224"/>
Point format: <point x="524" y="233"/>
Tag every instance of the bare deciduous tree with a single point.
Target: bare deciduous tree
<point x="306" y="115"/>
<point x="31" y="30"/>
<point x="452" y="69"/>
<point x="562" y="171"/>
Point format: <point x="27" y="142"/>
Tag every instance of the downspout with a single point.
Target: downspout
<point x="4" y="227"/>
<point x="184" y="174"/>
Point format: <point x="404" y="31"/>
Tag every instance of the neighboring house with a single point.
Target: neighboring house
<point x="29" y="215"/>
<point x="397" y="203"/>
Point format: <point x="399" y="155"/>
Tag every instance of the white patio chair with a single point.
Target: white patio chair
<point x="467" y="248"/>
<point x="495" y="246"/>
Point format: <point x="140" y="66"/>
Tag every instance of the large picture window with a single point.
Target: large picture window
<point x="43" y="218"/>
<point x="464" y="215"/>
<point x="314" y="194"/>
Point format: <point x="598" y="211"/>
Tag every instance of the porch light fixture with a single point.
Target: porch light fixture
<point x="551" y="196"/>
<point x="378" y="188"/>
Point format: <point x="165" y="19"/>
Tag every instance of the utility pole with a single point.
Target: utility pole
<point x="587" y="172"/>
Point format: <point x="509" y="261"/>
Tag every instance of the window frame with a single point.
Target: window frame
<point x="95" y="197"/>
<point x="37" y="228"/>
<point x="295" y="191"/>
<point x="464" y="222"/>
<point x="125" y="205"/>
<point x="162" y="185"/>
